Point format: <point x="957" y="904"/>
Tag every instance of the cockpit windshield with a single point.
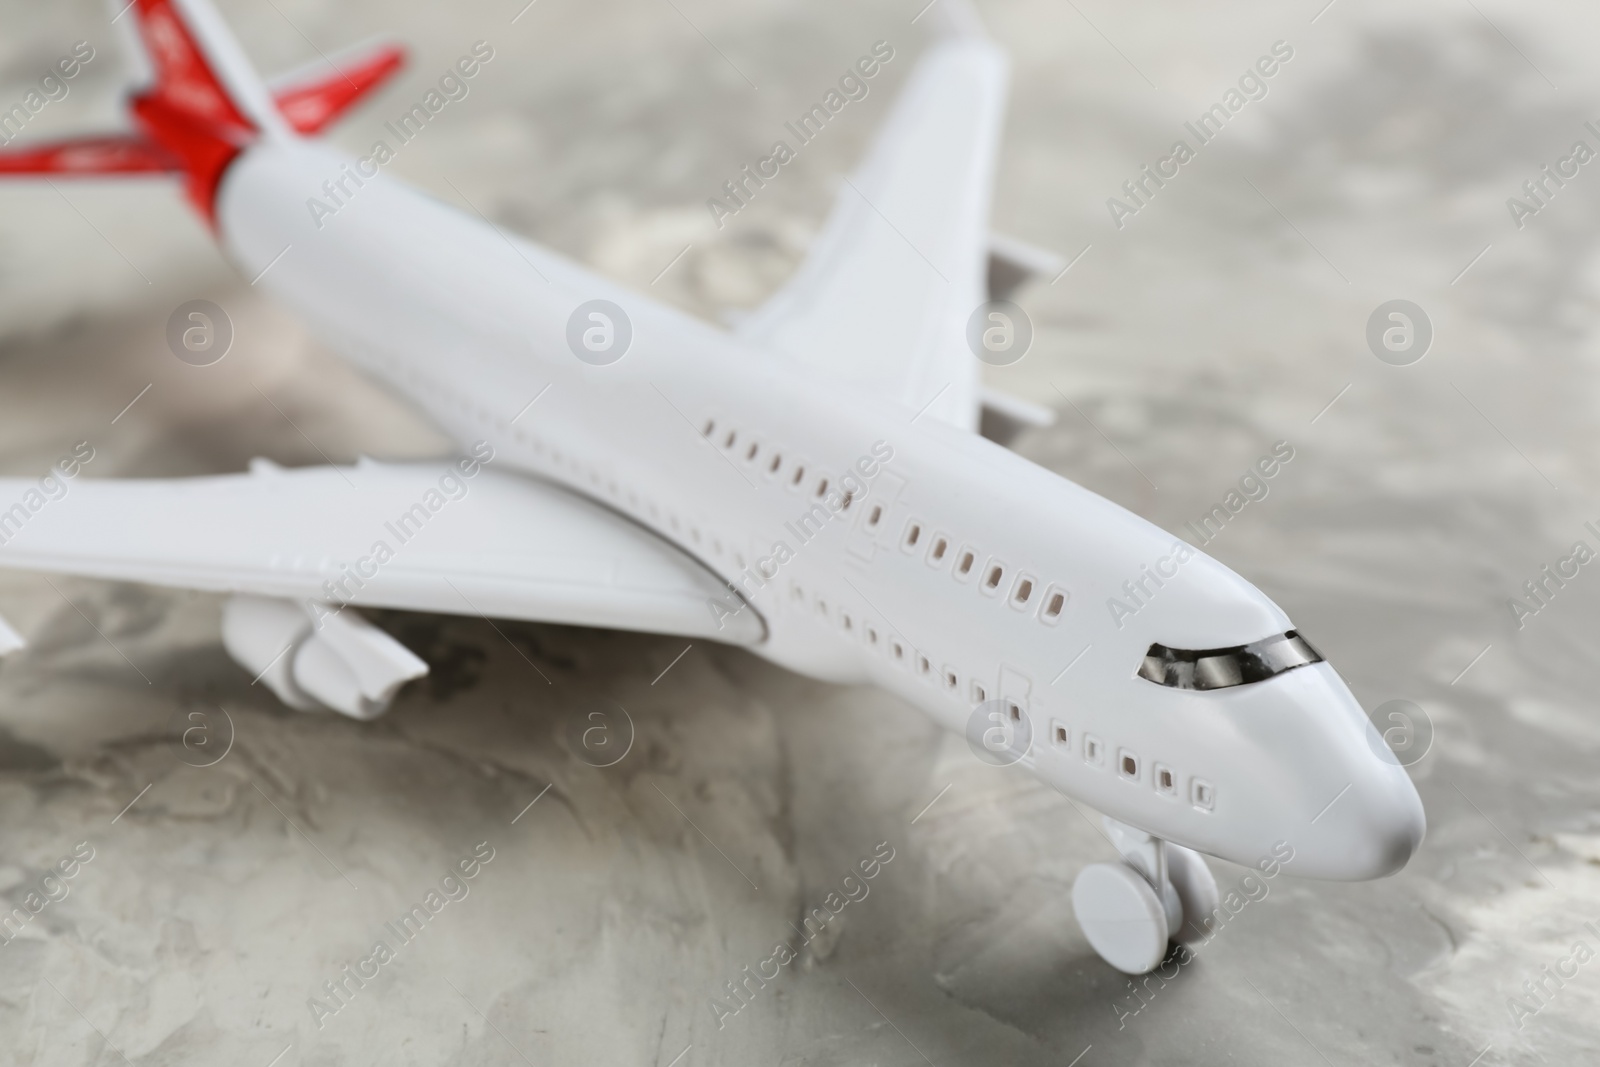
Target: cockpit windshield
<point x="1220" y="668"/>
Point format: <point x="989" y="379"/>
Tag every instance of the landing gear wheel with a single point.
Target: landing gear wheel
<point x="1121" y="916"/>
<point x="1197" y="891"/>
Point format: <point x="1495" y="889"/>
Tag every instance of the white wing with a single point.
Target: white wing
<point x="883" y="297"/>
<point x="511" y="547"/>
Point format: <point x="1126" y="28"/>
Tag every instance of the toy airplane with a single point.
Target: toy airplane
<point x="809" y="486"/>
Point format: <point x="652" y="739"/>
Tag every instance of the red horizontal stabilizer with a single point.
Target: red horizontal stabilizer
<point x="85" y="156"/>
<point x="312" y="104"/>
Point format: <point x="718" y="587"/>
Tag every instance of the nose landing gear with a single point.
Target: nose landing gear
<point x="1160" y="892"/>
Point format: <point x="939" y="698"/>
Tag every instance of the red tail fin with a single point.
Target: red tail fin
<point x="203" y="105"/>
<point x="187" y="119"/>
<point x="311" y="103"/>
<point x="187" y="111"/>
<point x="90" y="155"/>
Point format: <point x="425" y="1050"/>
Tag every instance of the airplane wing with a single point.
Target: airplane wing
<point x="414" y="536"/>
<point x="883" y="297"/>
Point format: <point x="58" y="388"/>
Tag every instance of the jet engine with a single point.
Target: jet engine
<point x="315" y="656"/>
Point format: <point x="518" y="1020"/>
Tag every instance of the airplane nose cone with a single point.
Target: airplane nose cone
<point x="1370" y="832"/>
<point x="1398" y="831"/>
<point x="1365" y="817"/>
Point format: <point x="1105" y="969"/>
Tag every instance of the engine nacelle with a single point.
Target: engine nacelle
<point x="342" y="662"/>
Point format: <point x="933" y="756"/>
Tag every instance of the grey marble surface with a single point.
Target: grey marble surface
<point x="1225" y="316"/>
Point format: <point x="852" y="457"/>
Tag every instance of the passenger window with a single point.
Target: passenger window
<point x="993" y="574"/>
<point x="965" y="562"/>
<point x="1022" y="592"/>
<point x="1055" y="602"/>
<point x="913" y="535"/>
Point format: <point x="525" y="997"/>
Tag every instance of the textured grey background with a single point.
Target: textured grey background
<point x="1223" y="318"/>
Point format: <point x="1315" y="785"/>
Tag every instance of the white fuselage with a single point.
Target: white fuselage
<point x="471" y="325"/>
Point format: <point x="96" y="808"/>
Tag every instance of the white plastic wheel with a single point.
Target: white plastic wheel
<point x="1121" y="916"/>
<point x="1196" y="888"/>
